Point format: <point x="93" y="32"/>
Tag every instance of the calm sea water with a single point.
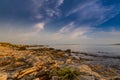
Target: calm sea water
<point x="105" y="49"/>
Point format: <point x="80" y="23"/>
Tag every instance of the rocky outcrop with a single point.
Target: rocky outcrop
<point x="47" y="64"/>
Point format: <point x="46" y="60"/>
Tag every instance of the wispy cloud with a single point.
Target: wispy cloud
<point x="45" y="9"/>
<point x="39" y="26"/>
<point x="72" y="32"/>
<point x="81" y="32"/>
<point x="52" y="22"/>
<point x="81" y="7"/>
<point x="33" y="33"/>
<point x="93" y="12"/>
<point x="67" y="28"/>
<point x="60" y="2"/>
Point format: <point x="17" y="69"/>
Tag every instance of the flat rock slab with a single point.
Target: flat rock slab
<point x="3" y="76"/>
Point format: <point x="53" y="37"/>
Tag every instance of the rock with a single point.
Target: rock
<point x="104" y="71"/>
<point x="26" y="65"/>
<point x="87" y="69"/>
<point x="3" y="76"/>
<point x="115" y="78"/>
<point x="36" y="79"/>
<point x="68" y="61"/>
<point x="68" y="51"/>
<point x="25" y="72"/>
<point x="86" y="72"/>
<point x="86" y="77"/>
<point x="56" y="78"/>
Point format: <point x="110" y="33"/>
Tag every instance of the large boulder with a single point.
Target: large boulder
<point x="86" y="72"/>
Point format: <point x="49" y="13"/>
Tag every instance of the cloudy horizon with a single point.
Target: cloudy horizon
<point x="60" y="21"/>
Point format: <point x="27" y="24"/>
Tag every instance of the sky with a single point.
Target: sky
<point x="60" y="21"/>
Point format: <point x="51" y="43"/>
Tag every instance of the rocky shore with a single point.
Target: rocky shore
<point x="20" y="62"/>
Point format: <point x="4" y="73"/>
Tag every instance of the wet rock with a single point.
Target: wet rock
<point x="104" y="71"/>
<point x="68" y="51"/>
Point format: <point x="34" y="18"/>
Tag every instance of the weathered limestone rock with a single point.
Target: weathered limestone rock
<point x="56" y="78"/>
<point x="68" y="61"/>
<point x="3" y="76"/>
<point x="86" y="72"/>
<point x="115" y="78"/>
<point x="40" y="64"/>
<point x="36" y="79"/>
<point x="87" y="69"/>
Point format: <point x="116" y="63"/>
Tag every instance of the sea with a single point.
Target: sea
<point x="101" y="49"/>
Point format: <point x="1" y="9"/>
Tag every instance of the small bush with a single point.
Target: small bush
<point x="67" y="73"/>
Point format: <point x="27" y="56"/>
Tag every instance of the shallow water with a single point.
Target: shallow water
<point x="103" y="49"/>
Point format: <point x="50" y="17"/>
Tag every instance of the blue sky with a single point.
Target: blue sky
<point x="60" y="21"/>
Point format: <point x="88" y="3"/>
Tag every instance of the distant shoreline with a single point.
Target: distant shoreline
<point x="116" y="44"/>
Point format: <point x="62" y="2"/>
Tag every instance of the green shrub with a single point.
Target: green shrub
<point x="67" y="73"/>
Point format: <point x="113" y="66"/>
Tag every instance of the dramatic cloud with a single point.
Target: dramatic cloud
<point x="60" y="21"/>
